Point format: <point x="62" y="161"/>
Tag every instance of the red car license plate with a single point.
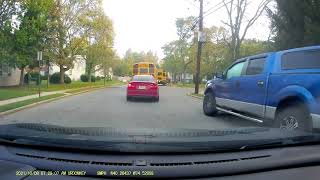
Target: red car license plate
<point x="141" y="87"/>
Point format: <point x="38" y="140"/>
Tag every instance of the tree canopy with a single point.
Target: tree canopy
<point x="295" y="23"/>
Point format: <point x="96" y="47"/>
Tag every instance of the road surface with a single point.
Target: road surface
<point x="109" y="108"/>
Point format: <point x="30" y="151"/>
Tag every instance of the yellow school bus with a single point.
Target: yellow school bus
<point x="162" y="77"/>
<point x="145" y="68"/>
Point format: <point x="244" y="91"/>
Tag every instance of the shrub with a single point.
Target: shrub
<point x="67" y="79"/>
<point x="85" y="78"/>
<point x="93" y="79"/>
<point x="55" y="78"/>
<point x="33" y="76"/>
<point x="109" y="78"/>
<point x="26" y="78"/>
<point x="45" y="77"/>
<point x="98" y="78"/>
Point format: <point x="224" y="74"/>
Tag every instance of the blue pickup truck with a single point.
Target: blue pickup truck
<point x="280" y="89"/>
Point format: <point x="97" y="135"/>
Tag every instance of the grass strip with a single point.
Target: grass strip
<point x="15" y="105"/>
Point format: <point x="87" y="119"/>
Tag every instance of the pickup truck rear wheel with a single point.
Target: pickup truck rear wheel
<point x="209" y="105"/>
<point x="294" y="117"/>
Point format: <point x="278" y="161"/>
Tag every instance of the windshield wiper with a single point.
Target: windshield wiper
<point x="153" y="141"/>
<point x="213" y="146"/>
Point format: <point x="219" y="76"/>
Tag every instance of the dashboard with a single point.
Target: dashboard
<point x="277" y="163"/>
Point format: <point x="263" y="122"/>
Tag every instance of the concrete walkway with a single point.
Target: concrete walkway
<point x="13" y="100"/>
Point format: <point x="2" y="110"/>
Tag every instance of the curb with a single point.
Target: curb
<point x="11" y="111"/>
<point x="194" y="96"/>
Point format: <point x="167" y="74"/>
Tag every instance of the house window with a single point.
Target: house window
<point x="4" y="69"/>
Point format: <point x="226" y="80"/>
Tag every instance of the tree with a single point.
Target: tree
<point x="123" y="67"/>
<point x="171" y="60"/>
<point x="252" y="46"/>
<point x="68" y="20"/>
<point x="8" y="9"/>
<point x="31" y="33"/>
<point x="238" y="28"/>
<point x="215" y="54"/>
<point x="99" y="41"/>
<point x="180" y="54"/>
<point x="296" y="23"/>
<point x="186" y="43"/>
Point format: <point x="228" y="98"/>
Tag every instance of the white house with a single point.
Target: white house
<point x="186" y="77"/>
<point x="79" y="68"/>
<point x="101" y="73"/>
<point x="9" y="76"/>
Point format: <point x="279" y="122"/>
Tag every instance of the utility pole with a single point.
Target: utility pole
<point x="39" y="58"/>
<point x="197" y="80"/>
<point x="48" y="74"/>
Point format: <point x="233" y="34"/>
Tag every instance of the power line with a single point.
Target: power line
<point x="217" y="9"/>
<point x="191" y="3"/>
<point x="213" y="7"/>
<point x="196" y="20"/>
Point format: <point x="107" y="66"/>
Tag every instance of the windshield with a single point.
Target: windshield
<point x="77" y="69"/>
<point x="143" y="78"/>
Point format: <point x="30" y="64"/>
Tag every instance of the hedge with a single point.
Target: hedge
<point x="55" y="78"/>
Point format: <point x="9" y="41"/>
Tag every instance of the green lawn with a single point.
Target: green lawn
<point x="75" y="85"/>
<point x="27" y="102"/>
<point x="8" y="93"/>
<point x="13" y="92"/>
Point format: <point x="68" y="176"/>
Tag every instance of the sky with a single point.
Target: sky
<point x="144" y="25"/>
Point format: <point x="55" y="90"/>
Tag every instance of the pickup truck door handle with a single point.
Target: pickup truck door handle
<point x="260" y="83"/>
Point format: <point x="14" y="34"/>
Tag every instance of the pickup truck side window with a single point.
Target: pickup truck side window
<point x="301" y="60"/>
<point x="235" y="70"/>
<point x="256" y="66"/>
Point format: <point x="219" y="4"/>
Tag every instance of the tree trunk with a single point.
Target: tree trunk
<point x="237" y="51"/>
<point x="183" y="78"/>
<point x="89" y="77"/>
<point x="89" y="71"/>
<point x="104" y="76"/>
<point x="61" y="74"/>
<point x="22" y="76"/>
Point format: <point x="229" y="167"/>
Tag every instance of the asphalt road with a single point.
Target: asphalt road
<point x="109" y="108"/>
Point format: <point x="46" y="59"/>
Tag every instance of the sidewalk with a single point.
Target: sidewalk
<point x="13" y="100"/>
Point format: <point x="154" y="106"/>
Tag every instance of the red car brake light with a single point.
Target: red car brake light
<point x="130" y="85"/>
<point x="154" y="85"/>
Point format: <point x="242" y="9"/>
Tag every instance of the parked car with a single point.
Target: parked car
<point x="281" y="89"/>
<point x="143" y="86"/>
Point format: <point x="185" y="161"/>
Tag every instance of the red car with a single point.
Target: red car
<point x="143" y="86"/>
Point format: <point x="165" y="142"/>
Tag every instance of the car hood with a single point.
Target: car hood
<point x="146" y="139"/>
